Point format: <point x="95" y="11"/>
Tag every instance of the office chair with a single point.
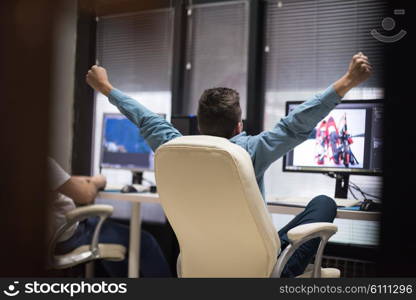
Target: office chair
<point x="209" y="192"/>
<point x="85" y="253"/>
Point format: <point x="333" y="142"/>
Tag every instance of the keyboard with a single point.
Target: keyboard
<point x="117" y="187"/>
<point x="303" y="201"/>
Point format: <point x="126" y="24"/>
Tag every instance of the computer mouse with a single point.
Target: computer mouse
<point x="365" y="205"/>
<point x="370" y="205"/>
<point x="128" y="189"/>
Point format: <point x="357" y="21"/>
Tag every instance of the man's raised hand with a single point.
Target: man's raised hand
<point x="97" y="78"/>
<point x="359" y="71"/>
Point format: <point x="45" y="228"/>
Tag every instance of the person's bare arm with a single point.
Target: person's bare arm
<point x="359" y="71"/>
<point x="83" y="189"/>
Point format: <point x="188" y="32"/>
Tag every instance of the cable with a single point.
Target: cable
<point x="350" y="189"/>
<point x="364" y="194"/>
<point x="357" y="188"/>
<point x="354" y="186"/>
<point x="148" y="181"/>
<point x="368" y="194"/>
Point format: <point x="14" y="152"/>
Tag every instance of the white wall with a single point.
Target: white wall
<point x="61" y="113"/>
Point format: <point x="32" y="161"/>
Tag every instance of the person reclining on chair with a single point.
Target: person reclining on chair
<point x="219" y="114"/>
<point x="82" y="190"/>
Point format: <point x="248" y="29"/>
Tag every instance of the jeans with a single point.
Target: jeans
<point x="320" y="209"/>
<point x="152" y="260"/>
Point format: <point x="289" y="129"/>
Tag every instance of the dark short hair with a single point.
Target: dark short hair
<point x="219" y="112"/>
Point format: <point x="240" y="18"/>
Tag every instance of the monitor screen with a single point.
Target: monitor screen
<point x="123" y="146"/>
<point x="186" y="125"/>
<point x="348" y="140"/>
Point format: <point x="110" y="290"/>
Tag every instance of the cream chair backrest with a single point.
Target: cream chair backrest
<point x="208" y="190"/>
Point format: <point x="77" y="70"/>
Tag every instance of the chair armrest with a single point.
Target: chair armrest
<point x="301" y="234"/>
<point x="305" y="230"/>
<point x="84" y="212"/>
<point x="77" y="215"/>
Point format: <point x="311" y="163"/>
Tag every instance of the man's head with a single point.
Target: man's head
<point x="219" y="113"/>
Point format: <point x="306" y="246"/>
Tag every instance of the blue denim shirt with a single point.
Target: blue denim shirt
<point x="264" y="148"/>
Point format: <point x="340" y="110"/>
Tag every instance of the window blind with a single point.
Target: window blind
<point x="216" y="50"/>
<point x="308" y="43"/>
<point x="136" y="49"/>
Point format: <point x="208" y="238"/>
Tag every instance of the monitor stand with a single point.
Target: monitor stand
<point x="137" y="177"/>
<point x="341" y="185"/>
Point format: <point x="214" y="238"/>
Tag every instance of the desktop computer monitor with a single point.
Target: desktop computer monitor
<point x="122" y="145"/>
<point x="347" y="141"/>
<point x="186" y="125"/>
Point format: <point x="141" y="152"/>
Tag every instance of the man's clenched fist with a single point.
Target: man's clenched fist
<point x="97" y="78"/>
<point x="359" y="69"/>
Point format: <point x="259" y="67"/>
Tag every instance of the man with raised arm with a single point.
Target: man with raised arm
<point x="219" y="114"/>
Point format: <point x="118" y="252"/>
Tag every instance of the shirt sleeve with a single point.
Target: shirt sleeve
<point x="291" y="130"/>
<point x="154" y="128"/>
<point x="57" y="175"/>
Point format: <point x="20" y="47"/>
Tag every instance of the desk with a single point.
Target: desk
<point x="135" y="220"/>
<point x="341" y="213"/>
<point x="135" y="223"/>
